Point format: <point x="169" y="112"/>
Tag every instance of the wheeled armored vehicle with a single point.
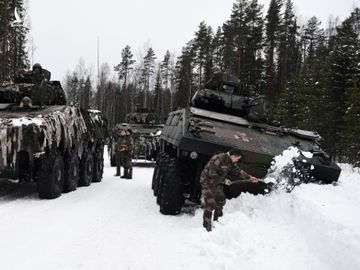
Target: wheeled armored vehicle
<point x="145" y="132"/>
<point x="217" y="120"/>
<point x="58" y="147"/>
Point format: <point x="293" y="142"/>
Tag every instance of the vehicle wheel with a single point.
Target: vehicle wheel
<point x="171" y="194"/>
<point x="98" y="165"/>
<point x="86" y="169"/>
<point x="155" y="182"/>
<point x="51" y="177"/>
<point x="160" y="178"/>
<point x="72" y="173"/>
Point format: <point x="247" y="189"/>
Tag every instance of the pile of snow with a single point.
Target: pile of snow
<point x="25" y="121"/>
<point x="116" y="224"/>
<point x="282" y="165"/>
<point x="314" y="227"/>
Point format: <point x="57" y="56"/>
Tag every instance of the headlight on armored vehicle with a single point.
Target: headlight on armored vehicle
<point x="193" y="155"/>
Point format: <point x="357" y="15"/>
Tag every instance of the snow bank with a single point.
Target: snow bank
<point x="116" y="224"/>
<point x="314" y="227"/>
<point x="25" y="121"/>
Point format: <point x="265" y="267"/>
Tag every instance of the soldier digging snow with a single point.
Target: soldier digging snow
<point x="212" y="179"/>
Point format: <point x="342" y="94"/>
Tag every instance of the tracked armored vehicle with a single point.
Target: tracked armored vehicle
<point x="146" y="134"/>
<point x="219" y="119"/>
<point x="43" y="140"/>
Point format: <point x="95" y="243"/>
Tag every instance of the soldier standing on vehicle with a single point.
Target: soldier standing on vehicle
<point x="212" y="179"/>
<point x="38" y="78"/>
<point x="215" y="79"/>
<point x="37" y="73"/>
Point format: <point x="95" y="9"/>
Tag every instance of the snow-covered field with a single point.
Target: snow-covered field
<point x="116" y="224"/>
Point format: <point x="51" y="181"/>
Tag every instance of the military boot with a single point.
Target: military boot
<point x="129" y="174"/>
<point x="125" y="173"/>
<point x="207" y="220"/>
<point x="217" y="214"/>
<point x="207" y="226"/>
<point x="117" y="171"/>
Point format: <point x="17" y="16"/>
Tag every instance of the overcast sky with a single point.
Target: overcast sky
<point x="65" y="30"/>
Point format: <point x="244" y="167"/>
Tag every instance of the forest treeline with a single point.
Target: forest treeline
<point x="309" y="71"/>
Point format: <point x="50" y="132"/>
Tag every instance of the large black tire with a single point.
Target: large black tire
<point x="155" y="179"/>
<point x="86" y="169"/>
<point x="171" y="194"/>
<point x="98" y="165"/>
<point x="72" y="172"/>
<point x="161" y="175"/>
<point x="51" y="176"/>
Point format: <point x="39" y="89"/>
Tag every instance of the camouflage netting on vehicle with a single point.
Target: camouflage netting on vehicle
<point x="61" y="127"/>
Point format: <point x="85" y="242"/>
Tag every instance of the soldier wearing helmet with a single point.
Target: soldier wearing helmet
<point x="129" y="154"/>
<point x="37" y="73"/>
<point x="123" y="153"/>
<point x="118" y="149"/>
<point x="38" y="79"/>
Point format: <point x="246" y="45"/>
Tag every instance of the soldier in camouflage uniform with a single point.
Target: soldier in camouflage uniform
<point x="128" y="154"/>
<point x="119" y="141"/>
<point x="38" y="78"/>
<point x="212" y="179"/>
<point x="124" y="153"/>
<point x="215" y="79"/>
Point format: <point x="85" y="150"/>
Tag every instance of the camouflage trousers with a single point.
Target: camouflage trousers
<point x="124" y="159"/>
<point x="215" y="199"/>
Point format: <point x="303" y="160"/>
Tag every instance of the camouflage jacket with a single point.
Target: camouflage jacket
<point x="218" y="168"/>
<point x="124" y="143"/>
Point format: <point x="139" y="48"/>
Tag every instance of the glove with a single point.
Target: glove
<point x="227" y="182"/>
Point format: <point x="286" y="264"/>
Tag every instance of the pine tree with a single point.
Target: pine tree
<point x="202" y="50"/>
<point x="350" y="143"/>
<point x="85" y="94"/>
<point x="243" y="44"/>
<point x="228" y="46"/>
<point x="123" y="70"/>
<point x="313" y="38"/>
<point x="13" y="39"/>
<point x="184" y="74"/>
<point x="273" y="22"/>
<point x="71" y="88"/>
<point x="344" y="72"/>
<point x="167" y="73"/>
<point x="101" y="87"/>
<point x="238" y="19"/>
<point x="158" y="97"/>
<point x="253" y="66"/>
<point x="217" y="48"/>
<point x="147" y="71"/>
<point x="289" y="55"/>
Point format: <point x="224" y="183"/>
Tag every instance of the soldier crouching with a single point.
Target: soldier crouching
<point x="213" y="178"/>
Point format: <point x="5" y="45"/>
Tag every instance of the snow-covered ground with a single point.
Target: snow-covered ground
<point x="116" y="224"/>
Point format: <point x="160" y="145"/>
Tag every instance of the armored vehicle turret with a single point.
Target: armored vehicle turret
<point x="219" y="119"/>
<point x="43" y="140"/>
